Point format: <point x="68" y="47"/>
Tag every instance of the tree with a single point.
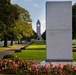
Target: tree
<point x="74" y="21"/>
<point x="44" y="35"/>
<point x="8" y="15"/>
<point x="24" y="14"/>
<point x="23" y="26"/>
<point x="34" y="36"/>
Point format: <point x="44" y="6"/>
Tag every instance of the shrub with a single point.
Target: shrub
<point x="18" y="51"/>
<point x="22" y="48"/>
<point x="8" y="56"/>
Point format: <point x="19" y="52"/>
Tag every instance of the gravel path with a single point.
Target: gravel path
<point x="8" y="51"/>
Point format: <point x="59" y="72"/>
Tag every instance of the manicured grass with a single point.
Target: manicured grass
<point x="73" y="45"/>
<point x="9" y="46"/>
<point x="36" y="50"/>
<point x="74" y="55"/>
<point x="31" y="54"/>
<point x="36" y="46"/>
<point x="3" y="48"/>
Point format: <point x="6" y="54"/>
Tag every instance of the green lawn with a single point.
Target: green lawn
<point x="74" y="55"/>
<point x="73" y="45"/>
<point x="9" y="46"/>
<point x="36" y="50"/>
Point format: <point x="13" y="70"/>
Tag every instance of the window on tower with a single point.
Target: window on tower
<point x="38" y="25"/>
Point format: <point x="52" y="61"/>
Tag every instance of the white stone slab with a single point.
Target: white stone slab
<point x="59" y="30"/>
<point x="58" y="15"/>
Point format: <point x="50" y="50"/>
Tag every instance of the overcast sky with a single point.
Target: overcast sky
<point x="36" y="9"/>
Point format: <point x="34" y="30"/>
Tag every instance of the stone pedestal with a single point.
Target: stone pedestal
<point x="59" y="30"/>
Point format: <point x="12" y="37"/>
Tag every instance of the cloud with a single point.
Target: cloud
<point x="36" y="5"/>
<point x="12" y="1"/>
<point x="15" y="1"/>
<point x="43" y="27"/>
<point x="27" y="0"/>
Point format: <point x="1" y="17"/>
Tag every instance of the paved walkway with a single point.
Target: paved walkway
<point x="10" y="50"/>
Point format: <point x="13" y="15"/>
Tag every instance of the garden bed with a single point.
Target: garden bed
<point x="17" y="66"/>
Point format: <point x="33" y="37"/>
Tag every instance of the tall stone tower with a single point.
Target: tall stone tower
<point x="38" y="27"/>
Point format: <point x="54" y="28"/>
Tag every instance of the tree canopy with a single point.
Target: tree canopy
<point x="23" y="26"/>
<point x="8" y="15"/>
<point x="74" y="21"/>
<point x="44" y="35"/>
<point x="15" y="22"/>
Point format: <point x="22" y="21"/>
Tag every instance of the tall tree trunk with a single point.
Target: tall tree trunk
<point x="5" y="41"/>
<point x="11" y="42"/>
<point x="18" y="42"/>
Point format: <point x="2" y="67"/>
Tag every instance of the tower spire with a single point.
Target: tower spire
<point x="38" y="22"/>
<point x="38" y="25"/>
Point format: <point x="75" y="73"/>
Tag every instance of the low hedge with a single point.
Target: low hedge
<point x="18" y="50"/>
<point x="8" y="56"/>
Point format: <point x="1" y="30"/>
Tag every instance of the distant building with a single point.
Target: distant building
<point x="38" y="27"/>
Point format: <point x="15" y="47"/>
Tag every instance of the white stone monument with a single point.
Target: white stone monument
<point x="59" y="31"/>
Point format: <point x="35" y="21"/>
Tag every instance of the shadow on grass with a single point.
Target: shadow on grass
<point x="38" y="44"/>
<point x="36" y="49"/>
